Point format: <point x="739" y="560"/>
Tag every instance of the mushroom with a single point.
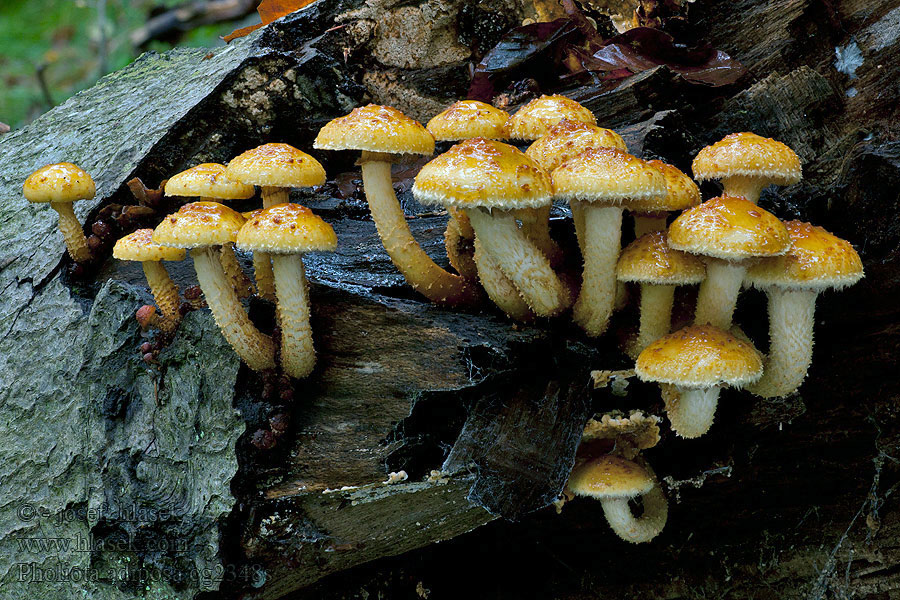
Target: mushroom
<point x="488" y="180"/>
<point x="614" y="481"/>
<point x="681" y="194"/>
<point x="692" y="364"/>
<point x="728" y="232"/>
<point x="139" y="246"/>
<point x="286" y="231"/>
<point x="201" y="227"/>
<point x="817" y="260"/>
<point x="658" y="268"/>
<point x="600" y="183"/>
<point x="209" y="182"/>
<point x="383" y="134"/>
<point x="276" y="168"/>
<point x="746" y="163"/>
<point x="62" y="184"/>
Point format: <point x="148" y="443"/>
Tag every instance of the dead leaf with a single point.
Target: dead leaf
<point x="269" y="10"/>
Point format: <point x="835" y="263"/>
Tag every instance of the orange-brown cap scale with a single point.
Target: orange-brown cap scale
<point x="730" y="228"/>
<point x="817" y="260"/>
<point x="607" y="176"/>
<point x="747" y="154"/>
<point x="649" y="259"/>
<point x="468" y="119"/>
<point x="199" y="224"/>
<point x="700" y="356"/>
<point x="480" y="172"/>
<point x="139" y="246"/>
<point x="537" y="117"/>
<point x="208" y="180"/>
<point x="375" y="128"/>
<point x="609" y="476"/>
<point x="286" y="229"/>
<point x="276" y="165"/>
<point x="61" y="182"/>
<point x="567" y="139"/>
<point x="681" y="191"/>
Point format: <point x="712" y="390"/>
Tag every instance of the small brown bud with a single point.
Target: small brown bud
<point x="263" y="439"/>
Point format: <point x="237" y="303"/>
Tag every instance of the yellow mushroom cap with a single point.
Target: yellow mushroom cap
<point x="139" y="246"/>
<point x="610" y="476"/>
<point x="208" y="180"/>
<point x="286" y="229"/>
<point x="649" y="259"/>
<point x="251" y="213"/>
<point x="276" y="165"/>
<point x="817" y="260"/>
<point x="375" y="128"/>
<point x="480" y="172"/>
<point x="468" y="119"/>
<point x="700" y="356"/>
<point x="199" y="224"/>
<point x="731" y="228"/>
<point x="535" y="118"/>
<point x="567" y="139"/>
<point x="62" y="182"/>
<point x="681" y="191"/>
<point x="748" y="154"/>
<point x="607" y="176"/>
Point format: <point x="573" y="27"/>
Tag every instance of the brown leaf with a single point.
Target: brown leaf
<point x="269" y="10"/>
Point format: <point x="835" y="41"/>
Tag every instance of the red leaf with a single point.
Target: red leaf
<point x="269" y="10"/>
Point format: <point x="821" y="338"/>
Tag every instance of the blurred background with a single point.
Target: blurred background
<point x="50" y="49"/>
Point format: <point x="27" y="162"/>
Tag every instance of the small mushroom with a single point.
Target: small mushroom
<point x="692" y="364"/>
<point x="61" y="185"/>
<point x="681" y="194"/>
<point x="817" y="261"/>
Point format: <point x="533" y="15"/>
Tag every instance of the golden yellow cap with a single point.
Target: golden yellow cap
<point x="276" y="165"/>
<point x="749" y="155"/>
<point x="199" y="224"/>
<point x="649" y="259"/>
<point x="567" y="139"/>
<point x="607" y="176"/>
<point x="62" y="182"/>
<point x="468" y="119"/>
<point x="536" y="118"/>
<point x="609" y="476"/>
<point x="375" y="128"/>
<point x="208" y="180"/>
<point x="681" y="191"/>
<point x="286" y="229"/>
<point x="139" y="246"/>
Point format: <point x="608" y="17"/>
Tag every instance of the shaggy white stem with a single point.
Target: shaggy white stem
<point x="499" y="288"/>
<point x="262" y="261"/>
<point x="239" y="280"/>
<point x="649" y="222"/>
<point x="600" y="250"/>
<point x="73" y="234"/>
<point x="577" y="209"/>
<point x="275" y="195"/>
<point x="748" y="187"/>
<point x="519" y="259"/>
<point x="791" y="320"/>
<point x="637" y="529"/>
<point x="459" y="249"/>
<point x="298" y="356"/>
<point x="165" y="293"/>
<point x="255" y="348"/>
<point x="691" y="411"/>
<point x="536" y="225"/>
<point x="656" y="315"/>
<point x="718" y="293"/>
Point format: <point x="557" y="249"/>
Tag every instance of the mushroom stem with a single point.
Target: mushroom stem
<point x="420" y="271"/>
<point x="577" y="209"/>
<point x="499" y="288"/>
<point x="656" y="315"/>
<point x="649" y="222"/>
<point x="298" y="356"/>
<point x="691" y="411"/>
<point x="459" y="248"/>
<point x="73" y="234"/>
<point x="602" y="242"/>
<point x="165" y="294"/>
<point x="262" y="261"/>
<point x="519" y="259"/>
<point x="791" y="320"/>
<point x="239" y="280"/>
<point x="637" y="529"/>
<point x="536" y="226"/>
<point x="718" y="293"/>
<point x="255" y="348"/>
<point x="274" y="195"/>
<point x="741" y="185"/>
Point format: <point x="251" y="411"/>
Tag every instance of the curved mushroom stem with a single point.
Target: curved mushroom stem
<point x="255" y="348"/>
<point x="519" y="259"/>
<point x="649" y="222"/>
<point x="577" y="209"/>
<point x="536" y="225"/>
<point x="718" y="293"/>
<point x="73" y="234"/>
<point x="656" y="315"/>
<point x="420" y="271"/>
<point x="748" y="187"/>
<point x="298" y="356"/>
<point x="459" y="247"/>
<point x="165" y="294"/>
<point x="602" y="242"/>
<point x="791" y="320"/>
<point x="499" y="288"/>
<point x="691" y="411"/>
<point x="262" y="261"/>
<point x="239" y="280"/>
<point x="637" y="529"/>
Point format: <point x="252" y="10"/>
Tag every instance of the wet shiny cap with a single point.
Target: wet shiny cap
<point x="681" y="191"/>
<point x="375" y="128"/>
<point x="62" y="182"/>
<point x="208" y="180"/>
<point x="817" y="260"/>
<point x="700" y="356"/>
<point x="609" y="476"/>
<point x="750" y="155"/>
<point x="199" y="224"/>
<point x="276" y="165"/>
<point x="468" y="119"/>
<point x="649" y="259"/>
<point x="537" y="117"/>
<point x="567" y="139"/>
<point x="607" y="176"/>
<point x="480" y="172"/>
<point x="139" y="246"/>
<point x="286" y="229"/>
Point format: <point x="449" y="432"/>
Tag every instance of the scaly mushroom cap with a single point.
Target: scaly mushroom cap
<point x="375" y="128"/>
<point x="608" y="176"/>
<point x="139" y="246"/>
<point x="199" y="224"/>
<point x="700" y="356"/>
<point x="286" y="229"/>
<point x="817" y="260"/>
<point x="535" y="118"/>
<point x="681" y="191"/>
<point x="480" y="172"/>
<point x="62" y="182"/>
<point x="610" y="476"/>
<point x="208" y="180"/>
<point x="468" y="119"/>
<point x="567" y="139"/>
<point x="748" y="154"/>
<point x="649" y="259"/>
<point x="276" y="165"/>
<point x="730" y="228"/>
